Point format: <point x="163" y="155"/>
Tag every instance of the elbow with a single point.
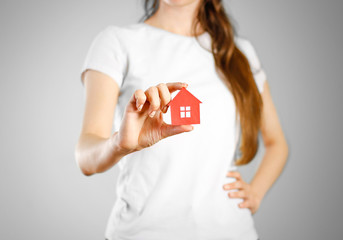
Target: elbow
<point x="286" y="146"/>
<point x="86" y="172"/>
<point x="280" y="143"/>
<point x="82" y="166"/>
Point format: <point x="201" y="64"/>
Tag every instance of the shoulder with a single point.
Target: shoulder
<point x="242" y="42"/>
<point x="247" y="48"/>
<point x="128" y="36"/>
<point x="124" y="31"/>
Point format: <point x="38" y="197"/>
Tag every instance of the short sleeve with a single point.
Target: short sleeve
<point x="107" y="55"/>
<point x="256" y="67"/>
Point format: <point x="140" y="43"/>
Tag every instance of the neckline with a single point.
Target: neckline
<point x="171" y="33"/>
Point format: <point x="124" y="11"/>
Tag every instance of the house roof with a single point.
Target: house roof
<point x="184" y="96"/>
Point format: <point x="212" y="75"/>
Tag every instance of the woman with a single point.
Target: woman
<point x="184" y="186"/>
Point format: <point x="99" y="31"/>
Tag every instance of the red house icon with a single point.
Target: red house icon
<point x="184" y="108"/>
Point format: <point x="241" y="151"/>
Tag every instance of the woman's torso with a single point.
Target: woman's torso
<point x="174" y="189"/>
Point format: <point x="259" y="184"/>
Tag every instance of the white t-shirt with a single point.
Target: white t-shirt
<point x="174" y="189"/>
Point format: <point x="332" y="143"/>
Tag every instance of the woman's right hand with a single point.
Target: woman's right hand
<point x="142" y="124"/>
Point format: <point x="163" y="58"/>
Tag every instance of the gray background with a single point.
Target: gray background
<point x="43" y="45"/>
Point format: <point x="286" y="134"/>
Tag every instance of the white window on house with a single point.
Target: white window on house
<point x="185" y="112"/>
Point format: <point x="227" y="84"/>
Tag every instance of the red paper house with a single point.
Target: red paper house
<point x="184" y="108"/>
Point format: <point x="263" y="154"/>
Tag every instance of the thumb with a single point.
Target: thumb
<point x="170" y="130"/>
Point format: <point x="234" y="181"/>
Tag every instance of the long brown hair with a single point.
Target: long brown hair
<point x="233" y="66"/>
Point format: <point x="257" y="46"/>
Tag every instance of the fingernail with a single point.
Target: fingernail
<point x="140" y="107"/>
<point x="152" y="114"/>
<point x="226" y="187"/>
<point x="191" y="128"/>
<point x="185" y="84"/>
<point x="164" y="109"/>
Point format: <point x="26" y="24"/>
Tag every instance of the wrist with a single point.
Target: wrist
<point x="257" y="193"/>
<point x="117" y="148"/>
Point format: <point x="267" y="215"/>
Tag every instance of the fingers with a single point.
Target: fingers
<point x="165" y="90"/>
<point x="245" y="204"/>
<point x="248" y="205"/>
<point x="234" y="185"/>
<point x="164" y="96"/>
<point x="173" y="86"/>
<point x="170" y="130"/>
<point x="234" y="174"/>
<point x="158" y="96"/>
<point x="140" y="98"/>
<point x="239" y="184"/>
<point x="238" y="194"/>
<point x="154" y="100"/>
<point x="246" y="192"/>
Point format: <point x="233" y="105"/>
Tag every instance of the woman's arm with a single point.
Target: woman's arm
<point x="142" y="123"/>
<point x="272" y="163"/>
<point x="276" y="148"/>
<point x="95" y="150"/>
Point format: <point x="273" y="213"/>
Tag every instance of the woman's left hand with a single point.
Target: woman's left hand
<point x="251" y="200"/>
